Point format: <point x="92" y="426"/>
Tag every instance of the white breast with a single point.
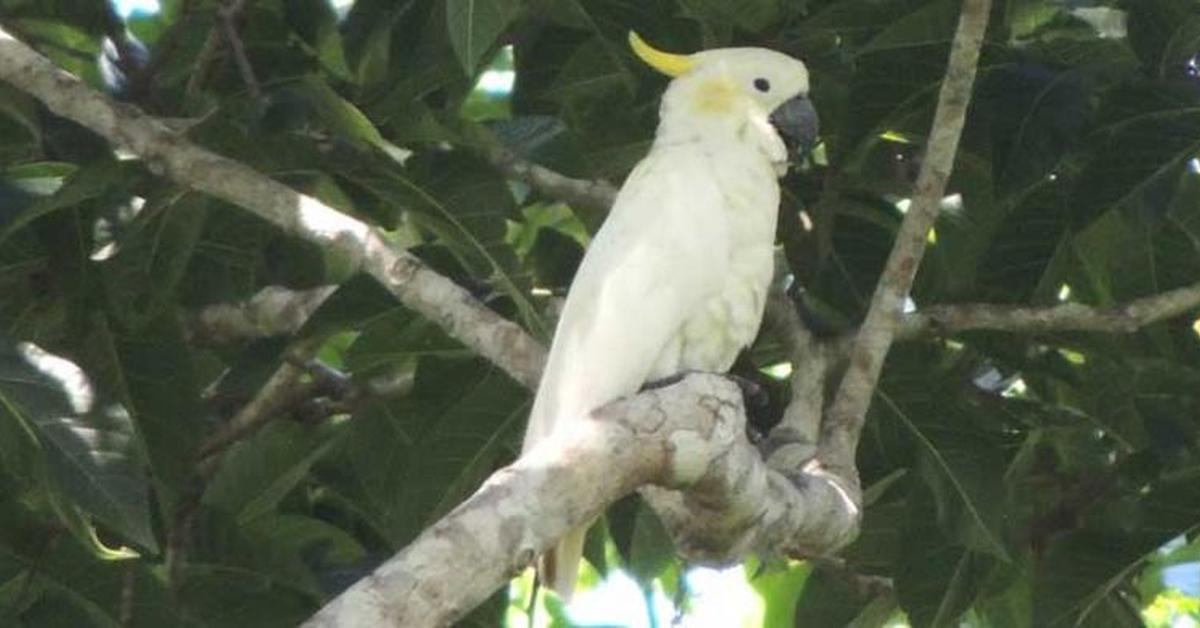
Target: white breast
<point x="717" y="331"/>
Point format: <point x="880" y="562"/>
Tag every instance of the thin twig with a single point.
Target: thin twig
<point x="210" y="48"/>
<point x="288" y="385"/>
<point x="863" y="584"/>
<point x="166" y="47"/>
<point x="227" y="17"/>
<point x="843" y="424"/>
<point x="128" y="593"/>
<point x="204" y="61"/>
<point x="589" y="193"/>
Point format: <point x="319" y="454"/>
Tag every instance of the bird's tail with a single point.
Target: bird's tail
<point x="560" y="566"/>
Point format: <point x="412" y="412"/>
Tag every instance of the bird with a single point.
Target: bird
<point x="676" y="278"/>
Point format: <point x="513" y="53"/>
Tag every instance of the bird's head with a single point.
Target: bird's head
<point x="738" y="83"/>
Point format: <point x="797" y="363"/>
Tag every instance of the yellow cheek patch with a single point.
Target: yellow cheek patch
<point x="715" y="96"/>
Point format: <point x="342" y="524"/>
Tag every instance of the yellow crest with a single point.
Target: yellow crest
<point x="666" y="62"/>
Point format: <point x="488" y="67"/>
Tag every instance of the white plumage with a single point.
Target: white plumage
<point x="676" y="278"/>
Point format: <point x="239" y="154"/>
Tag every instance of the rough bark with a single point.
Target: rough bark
<point x="688" y="436"/>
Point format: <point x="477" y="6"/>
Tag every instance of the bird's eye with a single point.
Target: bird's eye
<point x="762" y="84"/>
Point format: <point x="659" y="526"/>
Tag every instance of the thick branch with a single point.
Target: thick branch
<point x="1130" y="317"/>
<point x="690" y="435"/>
<point x="844" y="422"/>
<point x="352" y="243"/>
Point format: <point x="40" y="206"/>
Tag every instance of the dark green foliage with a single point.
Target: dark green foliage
<point x="1014" y="480"/>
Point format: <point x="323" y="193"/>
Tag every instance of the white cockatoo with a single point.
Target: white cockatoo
<point x="677" y="277"/>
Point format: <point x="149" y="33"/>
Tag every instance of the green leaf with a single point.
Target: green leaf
<point x="781" y="591"/>
<point x="936" y="579"/>
<point x="466" y="204"/>
<point x="828" y="598"/>
<point x="317" y="540"/>
<point x="408" y="461"/>
<point x="397" y="340"/>
<point x="228" y="258"/>
<point x="65" y="583"/>
<point x="591" y="74"/>
<point x="239" y="576"/>
<point x="1165" y="34"/>
<point x="752" y="15"/>
<point x="70" y="46"/>
<point x="90" y="449"/>
<point x="475" y="25"/>
<point x="86" y="183"/>
<point x="339" y="114"/>
<point x="899" y="71"/>
<point x="881" y="537"/>
<point x="1148" y="134"/>
<point x="959" y="450"/>
<point x="1007" y="596"/>
<point x="144" y="262"/>
<point x="154" y="374"/>
<point x="317" y="25"/>
<point x="1082" y="578"/>
<point x="257" y="473"/>
<point x="640" y="538"/>
<point x="21" y="109"/>
<point x="353" y="305"/>
<point x="1020" y="262"/>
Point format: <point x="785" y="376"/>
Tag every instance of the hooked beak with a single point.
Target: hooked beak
<point x="796" y="122"/>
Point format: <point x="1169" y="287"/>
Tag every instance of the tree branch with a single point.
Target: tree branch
<point x="794" y="442"/>
<point x="593" y="194"/>
<point x="1130" y="317"/>
<point x="844" y="422"/>
<point x="690" y="436"/>
<point x="210" y="48"/>
<point x="286" y="386"/>
<point x="227" y="18"/>
<point x="351" y="243"/>
<point x="273" y="311"/>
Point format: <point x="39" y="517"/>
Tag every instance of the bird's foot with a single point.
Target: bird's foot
<point x="667" y="381"/>
<point x="753" y="393"/>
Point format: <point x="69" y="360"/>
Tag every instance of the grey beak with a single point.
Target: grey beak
<point x="796" y="121"/>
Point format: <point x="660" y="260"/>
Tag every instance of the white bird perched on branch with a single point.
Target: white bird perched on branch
<point x="677" y="277"/>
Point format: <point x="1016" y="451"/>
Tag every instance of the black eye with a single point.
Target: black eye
<point x="762" y="84"/>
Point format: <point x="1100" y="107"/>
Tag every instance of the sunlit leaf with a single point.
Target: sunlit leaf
<point x="90" y="448"/>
